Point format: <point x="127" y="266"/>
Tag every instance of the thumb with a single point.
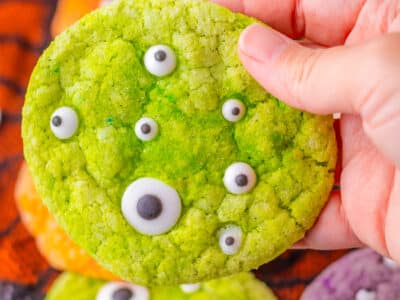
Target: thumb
<point x="362" y="79"/>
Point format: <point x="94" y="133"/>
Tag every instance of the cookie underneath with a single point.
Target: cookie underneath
<point x="51" y="240"/>
<point x="361" y="275"/>
<point x="239" y="287"/>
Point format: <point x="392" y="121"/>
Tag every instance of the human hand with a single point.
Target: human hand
<point x="352" y="66"/>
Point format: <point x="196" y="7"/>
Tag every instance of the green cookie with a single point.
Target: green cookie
<point x="160" y="155"/>
<point x="242" y="286"/>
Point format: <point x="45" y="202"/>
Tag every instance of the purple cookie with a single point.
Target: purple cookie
<point x="361" y="275"/>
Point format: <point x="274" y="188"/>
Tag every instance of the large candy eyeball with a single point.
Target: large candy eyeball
<point x="64" y="122"/>
<point x="365" y="294"/>
<point x="122" y="291"/>
<point x="230" y="239"/>
<point x="146" y="129"/>
<point x="190" y="288"/>
<point x="160" y="60"/>
<point x="233" y="110"/>
<point x="390" y="263"/>
<point x="239" y="178"/>
<point x="151" y="206"/>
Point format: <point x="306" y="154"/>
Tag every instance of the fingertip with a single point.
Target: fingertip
<point x="262" y="43"/>
<point x="259" y="48"/>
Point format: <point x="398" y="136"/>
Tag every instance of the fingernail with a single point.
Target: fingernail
<point x="262" y="43"/>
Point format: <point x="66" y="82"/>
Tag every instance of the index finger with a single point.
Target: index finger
<point x="324" y="22"/>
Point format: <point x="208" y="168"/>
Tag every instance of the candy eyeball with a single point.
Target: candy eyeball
<point x="64" y="122"/>
<point x="230" y="239"/>
<point x="122" y="291"/>
<point x="365" y="294"/>
<point x="146" y="129"/>
<point x="389" y="263"/>
<point x="160" y="60"/>
<point x="233" y="110"/>
<point x="151" y="206"/>
<point x="190" y="288"/>
<point x="239" y="178"/>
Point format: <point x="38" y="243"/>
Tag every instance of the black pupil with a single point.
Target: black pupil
<point x="229" y="241"/>
<point x="160" y="55"/>
<point x="235" y="111"/>
<point x="149" y="207"/>
<point x="145" y="128"/>
<point x="56" y="121"/>
<point x="122" y="294"/>
<point x="241" y="180"/>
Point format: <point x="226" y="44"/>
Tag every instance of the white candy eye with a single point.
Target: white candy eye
<point x="146" y="129"/>
<point x="233" y="110"/>
<point x="390" y="263"/>
<point x="230" y="239"/>
<point x="365" y="294"/>
<point x="160" y="60"/>
<point x="104" y="2"/>
<point x="190" y="288"/>
<point x="239" y="178"/>
<point x="122" y="291"/>
<point x="151" y="206"/>
<point x="64" y="122"/>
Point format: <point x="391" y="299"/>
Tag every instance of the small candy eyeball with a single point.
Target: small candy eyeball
<point x="190" y="288"/>
<point x="365" y="294"/>
<point x="64" y="122"/>
<point x="230" y="239"/>
<point x="151" y="206"/>
<point x="233" y="110"/>
<point x="239" y="178"/>
<point x="122" y="291"/>
<point x="146" y="129"/>
<point x="104" y="2"/>
<point x="390" y="263"/>
<point x="160" y="60"/>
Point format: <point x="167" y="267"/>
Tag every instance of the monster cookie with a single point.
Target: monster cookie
<point x="360" y="275"/>
<point x="52" y="241"/>
<point x="240" y="287"/>
<point x="160" y="155"/>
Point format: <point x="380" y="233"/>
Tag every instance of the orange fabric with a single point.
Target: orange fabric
<point x="69" y="11"/>
<point x="290" y="273"/>
<point x="24" y="32"/>
<point x="54" y="244"/>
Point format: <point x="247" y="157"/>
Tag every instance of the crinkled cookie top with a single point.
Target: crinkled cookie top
<point x="241" y="286"/>
<point x="160" y="155"/>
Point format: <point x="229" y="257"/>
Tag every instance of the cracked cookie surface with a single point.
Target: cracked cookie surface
<point x="160" y="155"/>
<point x="52" y="241"/>
<point x="243" y="286"/>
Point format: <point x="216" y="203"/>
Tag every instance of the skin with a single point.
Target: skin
<point x="353" y="67"/>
